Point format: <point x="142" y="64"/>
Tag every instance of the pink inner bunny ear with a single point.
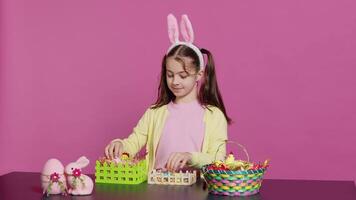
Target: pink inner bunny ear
<point x="173" y="31"/>
<point x="187" y="29"/>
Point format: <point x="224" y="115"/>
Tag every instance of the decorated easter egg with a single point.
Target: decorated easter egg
<point x="52" y="177"/>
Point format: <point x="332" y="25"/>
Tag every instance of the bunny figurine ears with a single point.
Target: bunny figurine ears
<point x="188" y="35"/>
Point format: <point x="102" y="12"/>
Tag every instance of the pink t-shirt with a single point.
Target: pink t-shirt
<point x="183" y="131"/>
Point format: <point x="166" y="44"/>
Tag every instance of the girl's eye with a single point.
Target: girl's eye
<point x="183" y="77"/>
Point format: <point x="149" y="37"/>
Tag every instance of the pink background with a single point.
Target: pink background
<point x="76" y="74"/>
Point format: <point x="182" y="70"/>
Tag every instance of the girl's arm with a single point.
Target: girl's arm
<point x="217" y="128"/>
<point x="138" y="138"/>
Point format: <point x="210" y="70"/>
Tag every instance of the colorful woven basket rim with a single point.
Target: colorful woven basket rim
<point x="233" y="172"/>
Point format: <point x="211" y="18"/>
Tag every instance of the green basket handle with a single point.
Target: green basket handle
<point x="232" y="142"/>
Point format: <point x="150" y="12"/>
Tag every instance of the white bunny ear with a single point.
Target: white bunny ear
<point x="82" y="162"/>
<point x="173" y="31"/>
<point x="187" y="29"/>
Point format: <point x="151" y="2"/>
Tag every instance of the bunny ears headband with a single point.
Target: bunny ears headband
<point x="188" y="35"/>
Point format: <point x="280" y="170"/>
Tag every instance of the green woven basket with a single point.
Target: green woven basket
<point x="122" y="173"/>
<point x="233" y="182"/>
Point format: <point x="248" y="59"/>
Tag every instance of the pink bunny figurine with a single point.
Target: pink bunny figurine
<point x="52" y="177"/>
<point x="78" y="183"/>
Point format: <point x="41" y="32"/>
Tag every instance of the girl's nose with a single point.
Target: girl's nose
<point x="175" y="81"/>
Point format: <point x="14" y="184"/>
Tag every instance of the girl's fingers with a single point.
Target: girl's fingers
<point x="170" y="161"/>
<point x="186" y="158"/>
<point x="107" y="151"/>
<point x="111" y="151"/>
<point x="117" y="149"/>
<point x="176" y="162"/>
<point x="168" y="164"/>
<point x="183" y="163"/>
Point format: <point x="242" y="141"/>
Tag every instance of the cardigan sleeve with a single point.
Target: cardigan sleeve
<point x="216" y="125"/>
<point x="138" y="138"/>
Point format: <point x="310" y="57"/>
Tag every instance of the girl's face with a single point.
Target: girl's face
<point x="182" y="82"/>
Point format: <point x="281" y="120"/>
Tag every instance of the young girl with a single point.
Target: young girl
<point x="188" y="122"/>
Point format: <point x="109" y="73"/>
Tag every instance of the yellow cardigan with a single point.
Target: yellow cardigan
<point x="149" y="129"/>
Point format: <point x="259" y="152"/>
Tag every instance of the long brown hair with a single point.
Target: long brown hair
<point x="208" y="94"/>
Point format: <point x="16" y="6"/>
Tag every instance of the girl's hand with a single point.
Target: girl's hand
<point x="178" y="160"/>
<point x="113" y="150"/>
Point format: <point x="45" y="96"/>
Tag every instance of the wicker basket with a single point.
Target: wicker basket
<point x="233" y="182"/>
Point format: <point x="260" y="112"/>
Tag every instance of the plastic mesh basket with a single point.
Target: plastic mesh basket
<point x="122" y="173"/>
